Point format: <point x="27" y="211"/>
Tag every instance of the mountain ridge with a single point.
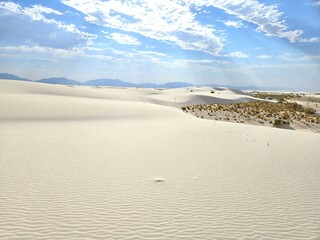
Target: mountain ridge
<point x="59" y="80"/>
<point x="9" y="76"/>
<point x="120" y="83"/>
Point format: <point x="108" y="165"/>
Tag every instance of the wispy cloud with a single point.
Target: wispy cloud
<point x="158" y="54"/>
<point x="123" y="38"/>
<point x="291" y="58"/>
<point x="24" y="51"/>
<point x="310" y="40"/>
<point x="316" y="3"/>
<point x="168" y="21"/>
<point x="53" y="52"/>
<point x="35" y="12"/>
<point x="264" y="56"/>
<point x="287" y="57"/>
<point x="234" y="24"/>
<point x="34" y="27"/>
<point x="267" y="18"/>
<point x="237" y="55"/>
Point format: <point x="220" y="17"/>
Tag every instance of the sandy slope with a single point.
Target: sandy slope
<point x="81" y="163"/>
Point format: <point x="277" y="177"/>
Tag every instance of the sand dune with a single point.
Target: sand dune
<point x="112" y="163"/>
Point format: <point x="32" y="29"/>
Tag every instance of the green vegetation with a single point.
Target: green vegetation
<point x="280" y="97"/>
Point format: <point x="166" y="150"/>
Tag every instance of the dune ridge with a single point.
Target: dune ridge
<point x="82" y="163"/>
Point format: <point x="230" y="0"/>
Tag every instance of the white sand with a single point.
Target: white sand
<point x="106" y="163"/>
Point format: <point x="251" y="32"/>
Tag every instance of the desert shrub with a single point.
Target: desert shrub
<point x="261" y="111"/>
<point x="309" y="110"/>
<point x="280" y="97"/>
<point x="278" y="123"/>
<point x="286" y="115"/>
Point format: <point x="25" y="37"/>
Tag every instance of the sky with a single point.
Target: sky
<point x="229" y="42"/>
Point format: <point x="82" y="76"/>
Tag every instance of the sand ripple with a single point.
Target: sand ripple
<point x="82" y="163"/>
<point x="70" y="189"/>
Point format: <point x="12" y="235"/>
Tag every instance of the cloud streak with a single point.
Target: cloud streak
<point x="267" y="18"/>
<point x="316" y="3"/>
<point x="30" y="25"/>
<point x="121" y="38"/>
<point x="174" y="22"/>
<point x="234" y="24"/>
<point x="168" y="21"/>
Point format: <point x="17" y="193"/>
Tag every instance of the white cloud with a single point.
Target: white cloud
<point x="48" y="51"/>
<point x="264" y="56"/>
<point x="25" y="52"/>
<point x="291" y="58"/>
<point x="168" y="20"/>
<point x="36" y="12"/>
<point x="316" y="3"/>
<point x="57" y="54"/>
<point x="192" y="61"/>
<point x="152" y="53"/>
<point x="310" y="40"/>
<point x="105" y="54"/>
<point x="287" y="57"/>
<point x="175" y="22"/>
<point x="267" y="18"/>
<point x="30" y="25"/>
<point x="237" y="55"/>
<point x="123" y="39"/>
<point x="234" y="24"/>
<point x="208" y="64"/>
<point x="11" y="7"/>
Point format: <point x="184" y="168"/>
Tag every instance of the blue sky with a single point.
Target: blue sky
<point x="231" y="42"/>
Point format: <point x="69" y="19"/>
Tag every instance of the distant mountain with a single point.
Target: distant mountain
<point x="109" y="82"/>
<point x="60" y="80"/>
<point x="148" y="85"/>
<point x="176" y="85"/>
<point x="9" y="76"/>
<point x="119" y="83"/>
